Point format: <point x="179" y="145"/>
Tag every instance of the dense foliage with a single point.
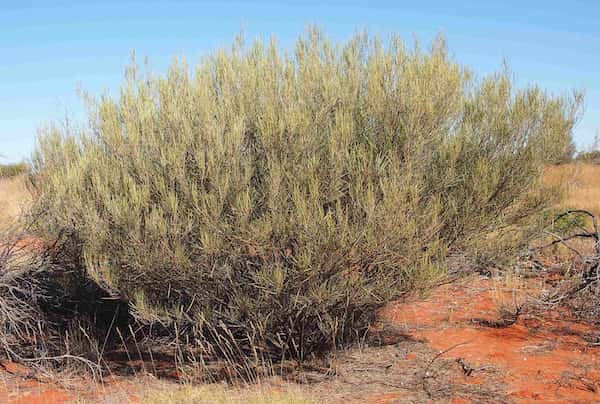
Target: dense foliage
<point x="275" y="200"/>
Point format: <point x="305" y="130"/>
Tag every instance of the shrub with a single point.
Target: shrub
<point x="276" y="200"/>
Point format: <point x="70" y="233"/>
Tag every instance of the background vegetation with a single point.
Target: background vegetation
<point x="266" y="203"/>
<point x="12" y="170"/>
<point x="592" y="154"/>
<point x="14" y="197"/>
<point x="581" y="185"/>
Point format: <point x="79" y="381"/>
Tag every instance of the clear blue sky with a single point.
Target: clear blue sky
<point x="48" y="48"/>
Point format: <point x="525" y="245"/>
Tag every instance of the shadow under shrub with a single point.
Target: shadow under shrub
<point x="51" y="314"/>
<point x="271" y="201"/>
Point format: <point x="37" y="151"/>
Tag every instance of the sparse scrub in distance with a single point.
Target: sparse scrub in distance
<point x="12" y="170"/>
<point x="592" y="154"/>
<point x="275" y="200"/>
<point x="13" y="193"/>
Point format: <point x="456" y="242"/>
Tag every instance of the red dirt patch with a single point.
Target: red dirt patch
<point x="543" y="359"/>
<point x="48" y="396"/>
<point x="16" y="369"/>
<point x="31" y="243"/>
<point x="15" y="389"/>
<point x="386" y="398"/>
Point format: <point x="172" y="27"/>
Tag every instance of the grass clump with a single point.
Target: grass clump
<point x="271" y="201"/>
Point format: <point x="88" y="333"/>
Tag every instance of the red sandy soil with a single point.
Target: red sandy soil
<point x="542" y="357"/>
<point x="31" y="243"/>
<point x="19" y="385"/>
<point x="25" y="244"/>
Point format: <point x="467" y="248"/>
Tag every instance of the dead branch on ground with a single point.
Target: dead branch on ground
<point x="590" y="263"/>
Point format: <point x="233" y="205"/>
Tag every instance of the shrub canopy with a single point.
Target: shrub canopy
<point x="282" y="197"/>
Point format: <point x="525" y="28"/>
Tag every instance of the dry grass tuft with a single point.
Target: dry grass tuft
<point x="218" y="394"/>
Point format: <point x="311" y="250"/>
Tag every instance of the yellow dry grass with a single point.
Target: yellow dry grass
<point x="14" y="198"/>
<point x="218" y="394"/>
<point x="582" y="182"/>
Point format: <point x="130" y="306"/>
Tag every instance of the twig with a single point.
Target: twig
<point x="468" y="370"/>
<point x="561" y="240"/>
<point x="426" y="371"/>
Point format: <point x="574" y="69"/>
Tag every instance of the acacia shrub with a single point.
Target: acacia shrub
<point x="276" y="199"/>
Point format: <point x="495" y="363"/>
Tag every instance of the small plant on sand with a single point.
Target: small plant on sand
<point x="266" y="204"/>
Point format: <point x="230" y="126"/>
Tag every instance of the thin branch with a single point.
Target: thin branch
<point x="562" y="240"/>
<point x="426" y="371"/>
<point x="559" y="239"/>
